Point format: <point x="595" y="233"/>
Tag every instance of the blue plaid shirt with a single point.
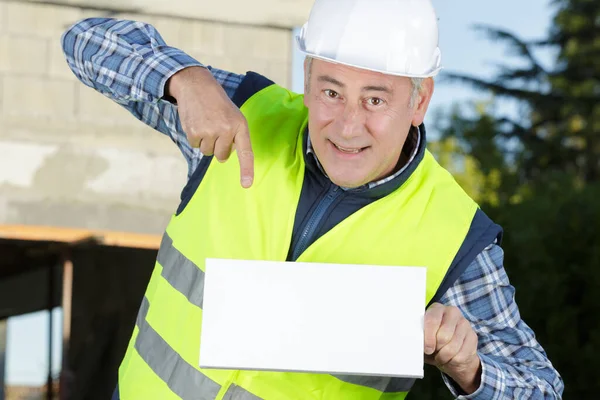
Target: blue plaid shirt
<point x="130" y="63"/>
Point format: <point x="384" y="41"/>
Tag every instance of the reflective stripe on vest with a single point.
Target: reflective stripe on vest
<point x="385" y="385"/>
<point x="180" y="272"/>
<point x="235" y="392"/>
<point x="182" y="378"/>
<point x="429" y="216"/>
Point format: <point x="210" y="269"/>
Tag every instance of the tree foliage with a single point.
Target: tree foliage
<point x="559" y="129"/>
<point x="538" y="175"/>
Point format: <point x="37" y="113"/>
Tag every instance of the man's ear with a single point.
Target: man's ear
<point x="423" y="100"/>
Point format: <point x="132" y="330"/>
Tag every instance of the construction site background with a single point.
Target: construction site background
<point x="84" y="161"/>
<point x="72" y="159"/>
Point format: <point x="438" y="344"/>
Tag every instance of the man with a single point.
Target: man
<point x="338" y="175"/>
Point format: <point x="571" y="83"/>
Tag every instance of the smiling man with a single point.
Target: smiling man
<point x="359" y="120"/>
<point x="338" y="175"/>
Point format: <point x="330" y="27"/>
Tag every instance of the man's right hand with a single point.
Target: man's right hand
<point x="210" y="119"/>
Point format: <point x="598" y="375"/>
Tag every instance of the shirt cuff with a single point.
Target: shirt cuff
<point x="157" y="68"/>
<point x="492" y="381"/>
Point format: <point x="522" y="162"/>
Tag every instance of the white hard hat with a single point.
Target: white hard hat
<point x="396" y="37"/>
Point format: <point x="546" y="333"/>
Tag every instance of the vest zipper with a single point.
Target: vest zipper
<point x="312" y="224"/>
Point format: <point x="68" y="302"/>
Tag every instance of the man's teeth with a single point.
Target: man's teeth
<point x="353" y="151"/>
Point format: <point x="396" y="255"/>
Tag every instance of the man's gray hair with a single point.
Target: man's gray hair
<point x="417" y="86"/>
<point x="417" y="83"/>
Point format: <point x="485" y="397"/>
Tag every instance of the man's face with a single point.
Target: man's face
<point x="359" y="120"/>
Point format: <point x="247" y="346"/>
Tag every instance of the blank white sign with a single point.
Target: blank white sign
<point x="309" y="317"/>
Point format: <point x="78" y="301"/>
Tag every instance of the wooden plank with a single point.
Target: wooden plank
<point x="67" y="302"/>
<point x="71" y="235"/>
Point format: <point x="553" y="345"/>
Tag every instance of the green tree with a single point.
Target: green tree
<point x="538" y="175"/>
<point x="559" y="129"/>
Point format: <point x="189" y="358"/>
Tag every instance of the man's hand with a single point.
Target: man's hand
<point x="210" y="120"/>
<point x="451" y="345"/>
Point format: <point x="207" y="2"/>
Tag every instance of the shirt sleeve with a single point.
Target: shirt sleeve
<point x="130" y="63"/>
<point x="514" y="365"/>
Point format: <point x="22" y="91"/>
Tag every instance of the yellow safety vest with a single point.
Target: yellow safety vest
<point x="429" y="215"/>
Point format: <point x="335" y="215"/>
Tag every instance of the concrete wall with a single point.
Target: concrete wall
<point x="69" y="156"/>
<point x="280" y="13"/>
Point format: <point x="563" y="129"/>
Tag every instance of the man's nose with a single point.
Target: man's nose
<point x="352" y="120"/>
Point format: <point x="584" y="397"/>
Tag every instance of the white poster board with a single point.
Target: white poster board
<point x="310" y="317"/>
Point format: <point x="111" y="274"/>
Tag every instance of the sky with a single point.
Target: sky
<point x="463" y="50"/>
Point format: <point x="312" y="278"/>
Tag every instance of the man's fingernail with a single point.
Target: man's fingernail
<point x="428" y="350"/>
<point x="246" y="182"/>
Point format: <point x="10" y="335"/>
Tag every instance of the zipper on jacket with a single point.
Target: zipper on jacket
<point x="311" y="226"/>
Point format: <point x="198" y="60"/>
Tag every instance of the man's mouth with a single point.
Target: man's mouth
<point x="349" y="150"/>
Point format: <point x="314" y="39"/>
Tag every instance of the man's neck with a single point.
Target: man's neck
<point x="409" y="149"/>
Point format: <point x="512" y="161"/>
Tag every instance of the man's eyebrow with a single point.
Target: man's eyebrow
<point x="369" y="88"/>
<point x="374" y="88"/>
<point x="329" y="79"/>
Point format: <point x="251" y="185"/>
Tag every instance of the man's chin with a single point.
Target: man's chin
<point x="346" y="181"/>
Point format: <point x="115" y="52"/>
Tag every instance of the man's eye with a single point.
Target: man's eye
<point x="332" y="94"/>
<point x="375" y="101"/>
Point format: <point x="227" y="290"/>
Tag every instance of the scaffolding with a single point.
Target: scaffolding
<point x="37" y="273"/>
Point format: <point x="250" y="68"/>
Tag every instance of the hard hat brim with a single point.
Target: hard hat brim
<point x="431" y="74"/>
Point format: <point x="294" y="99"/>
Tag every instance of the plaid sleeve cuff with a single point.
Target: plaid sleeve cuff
<point x="164" y="62"/>
<point x="492" y="382"/>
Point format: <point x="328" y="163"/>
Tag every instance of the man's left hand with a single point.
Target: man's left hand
<point x="451" y="345"/>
